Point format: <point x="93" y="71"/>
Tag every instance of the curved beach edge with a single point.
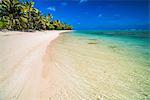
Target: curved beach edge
<point x="21" y="59"/>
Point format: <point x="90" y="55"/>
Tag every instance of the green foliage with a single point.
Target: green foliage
<point x="58" y="25"/>
<point x="16" y="15"/>
<point x="2" y="24"/>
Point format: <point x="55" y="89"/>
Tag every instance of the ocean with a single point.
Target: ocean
<point x="106" y="65"/>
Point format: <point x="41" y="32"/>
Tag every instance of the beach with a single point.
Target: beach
<point x="74" y="50"/>
<point x="74" y="65"/>
<point x="22" y="64"/>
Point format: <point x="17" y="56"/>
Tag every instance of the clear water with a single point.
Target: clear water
<point x="109" y="65"/>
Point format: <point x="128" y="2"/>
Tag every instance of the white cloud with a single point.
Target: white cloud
<point x="81" y="1"/>
<point x="51" y="8"/>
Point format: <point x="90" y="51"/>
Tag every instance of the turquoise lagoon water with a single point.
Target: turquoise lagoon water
<point x="108" y="65"/>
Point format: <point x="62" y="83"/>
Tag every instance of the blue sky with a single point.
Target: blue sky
<point x="98" y="14"/>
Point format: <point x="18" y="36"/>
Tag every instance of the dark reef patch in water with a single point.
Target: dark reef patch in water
<point x="92" y="39"/>
<point x="92" y="43"/>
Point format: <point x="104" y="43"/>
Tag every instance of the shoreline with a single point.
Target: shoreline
<point x="49" y="66"/>
<point x="22" y="63"/>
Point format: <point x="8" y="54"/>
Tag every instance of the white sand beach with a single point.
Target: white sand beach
<point x="22" y="64"/>
<point x="34" y="67"/>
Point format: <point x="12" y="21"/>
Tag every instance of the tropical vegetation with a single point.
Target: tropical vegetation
<point x="16" y="15"/>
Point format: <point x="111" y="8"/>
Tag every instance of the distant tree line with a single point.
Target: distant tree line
<point x="16" y="15"/>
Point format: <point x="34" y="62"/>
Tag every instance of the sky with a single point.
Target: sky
<point x="98" y="14"/>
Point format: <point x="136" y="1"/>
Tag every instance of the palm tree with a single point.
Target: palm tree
<point x="27" y="9"/>
<point x="10" y="12"/>
<point x="47" y="20"/>
<point x="16" y="15"/>
<point x="35" y="14"/>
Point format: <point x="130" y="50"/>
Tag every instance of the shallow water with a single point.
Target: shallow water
<point x="109" y="65"/>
